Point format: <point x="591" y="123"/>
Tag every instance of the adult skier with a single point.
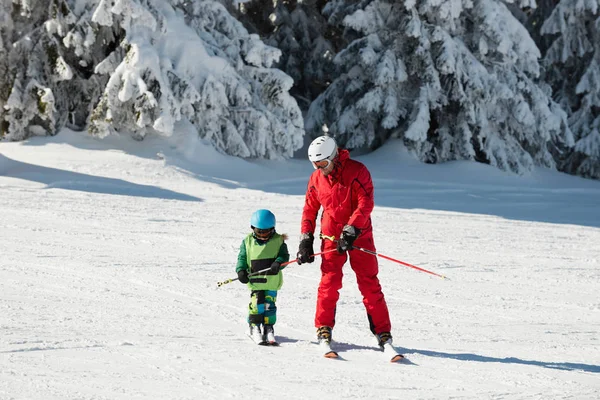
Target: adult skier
<point x="344" y="189"/>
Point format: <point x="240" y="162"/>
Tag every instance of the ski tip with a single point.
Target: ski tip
<point x="397" y="358"/>
<point x="331" y="354"/>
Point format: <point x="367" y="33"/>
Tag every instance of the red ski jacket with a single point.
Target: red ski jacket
<point x="346" y="196"/>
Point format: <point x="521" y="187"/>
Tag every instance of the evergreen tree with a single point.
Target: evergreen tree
<point x="572" y="64"/>
<point x="534" y="19"/>
<point x="306" y="41"/>
<point x="140" y="66"/>
<point x="49" y="80"/>
<point x="454" y="79"/>
<point x="28" y="104"/>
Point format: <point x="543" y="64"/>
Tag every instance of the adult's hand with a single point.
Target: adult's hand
<point x="305" y="249"/>
<point x="349" y="235"/>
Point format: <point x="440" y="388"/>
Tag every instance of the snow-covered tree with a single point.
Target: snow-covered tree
<point x="28" y="104"/>
<point x="141" y="66"/>
<point x="533" y="19"/>
<point x="193" y="60"/>
<point x="50" y="54"/>
<point x="299" y="30"/>
<point x="6" y="27"/>
<point x="456" y="79"/>
<point x="572" y="64"/>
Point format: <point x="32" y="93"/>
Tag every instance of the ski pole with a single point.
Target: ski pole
<point x="262" y="271"/>
<point x="332" y="238"/>
<point x="398" y="261"/>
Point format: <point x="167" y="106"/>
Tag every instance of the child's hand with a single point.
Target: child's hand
<point x="243" y="276"/>
<point x="275" y="267"/>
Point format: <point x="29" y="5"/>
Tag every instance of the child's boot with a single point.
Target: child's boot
<point x="256" y="334"/>
<point x="269" y="333"/>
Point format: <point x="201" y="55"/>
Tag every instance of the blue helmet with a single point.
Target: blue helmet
<point x="263" y="219"/>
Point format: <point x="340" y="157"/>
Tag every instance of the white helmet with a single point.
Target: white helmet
<point x="322" y="148"/>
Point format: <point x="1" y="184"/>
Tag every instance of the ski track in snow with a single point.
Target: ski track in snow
<point x="110" y="292"/>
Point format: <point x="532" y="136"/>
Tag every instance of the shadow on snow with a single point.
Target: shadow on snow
<point x="464" y="187"/>
<point x="566" y="366"/>
<point x="61" y="179"/>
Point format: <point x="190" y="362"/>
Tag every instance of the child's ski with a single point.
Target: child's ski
<point x="254" y="332"/>
<point x="260" y="342"/>
<point x="269" y="335"/>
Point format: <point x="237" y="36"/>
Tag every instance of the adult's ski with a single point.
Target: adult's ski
<point x="325" y="348"/>
<point x="391" y="353"/>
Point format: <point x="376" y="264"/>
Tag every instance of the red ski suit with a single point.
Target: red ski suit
<point x="346" y="196"/>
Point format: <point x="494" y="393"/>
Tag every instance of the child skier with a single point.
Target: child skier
<point x="262" y="249"/>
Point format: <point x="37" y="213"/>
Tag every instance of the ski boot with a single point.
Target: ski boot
<point x="384" y="340"/>
<point x="324" y="340"/>
<point x="255" y="334"/>
<point x="269" y="335"/>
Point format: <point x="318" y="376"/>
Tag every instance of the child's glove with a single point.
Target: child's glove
<point x="243" y="276"/>
<point x="349" y="235"/>
<point x="305" y="249"/>
<point x="275" y="267"/>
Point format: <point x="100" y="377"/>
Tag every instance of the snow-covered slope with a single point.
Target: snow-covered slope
<point x="111" y="252"/>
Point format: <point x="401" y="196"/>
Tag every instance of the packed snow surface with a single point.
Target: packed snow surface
<point x="111" y="252"/>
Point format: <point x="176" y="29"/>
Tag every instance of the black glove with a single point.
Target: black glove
<point x="305" y="249"/>
<point x="275" y="267"/>
<point x="243" y="276"/>
<point x="349" y="235"/>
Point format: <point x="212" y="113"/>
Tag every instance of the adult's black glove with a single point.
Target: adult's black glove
<point x="243" y="276"/>
<point x="349" y="235"/>
<point x="305" y="249"/>
<point x="275" y="267"/>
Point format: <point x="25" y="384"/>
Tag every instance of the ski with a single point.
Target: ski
<point x="256" y="335"/>
<point x="260" y="342"/>
<point x="269" y="335"/>
<point x="391" y="353"/>
<point x="325" y="347"/>
<point x="269" y="341"/>
<point x="264" y="342"/>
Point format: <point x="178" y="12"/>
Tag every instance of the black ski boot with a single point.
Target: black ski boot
<point x="269" y="335"/>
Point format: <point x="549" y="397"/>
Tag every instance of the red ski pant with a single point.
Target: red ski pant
<point x="366" y="268"/>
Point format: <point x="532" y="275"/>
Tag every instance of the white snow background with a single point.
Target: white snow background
<point x="111" y="250"/>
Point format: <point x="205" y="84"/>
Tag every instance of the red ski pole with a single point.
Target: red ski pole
<point x="262" y="271"/>
<point x="333" y="239"/>
<point x="399" y="262"/>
